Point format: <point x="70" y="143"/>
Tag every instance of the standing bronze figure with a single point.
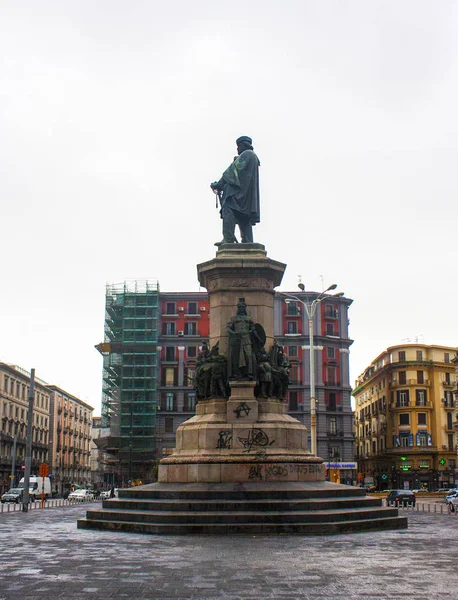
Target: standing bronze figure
<point x="238" y="189"/>
<point x="241" y="360"/>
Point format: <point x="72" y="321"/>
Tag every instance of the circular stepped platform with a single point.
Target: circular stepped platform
<point x="317" y="508"/>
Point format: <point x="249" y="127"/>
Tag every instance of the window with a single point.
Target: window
<point x="170" y="308"/>
<point x="449" y="420"/>
<point x="292" y="327"/>
<point x="447" y="379"/>
<point x="402" y="398"/>
<point x="292" y="351"/>
<point x="190" y="328"/>
<point x="293" y="403"/>
<point x="404" y="438"/>
<point x="190" y="402"/>
<point x="331" y="401"/>
<point x="451" y="446"/>
<point x="331" y="375"/>
<point x="170" y="353"/>
<point x="404" y="419"/>
<point x="292" y="309"/>
<point x="330" y="352"/>
<point x="422" y="438"/>
<point x="189" y="377"/>
<point x="168" y="328"/>
<point x="169" y="377"/>
<point x="446" y="357"/>
<point x="192" y="308"/>
<point x="329" y="328"/>
<point x="448" y="399"/>
<point x="5" y="383"/>
<point x="402" y="356"/>
<point x="402" y="378"/>
<point x="420" y="397"/>
<point x="168" y="424"/>
<point x="424" y="464"/>
<point x="330" y="312"/>
<point x="169" y="401"/>
<point x="334" y="452"/>
<point x="419" y="355"/>
<point x="332" y="425"/>
<point x="421" y="418"/>
<point x="420" y="377"/>
<point x="192" y="351"/>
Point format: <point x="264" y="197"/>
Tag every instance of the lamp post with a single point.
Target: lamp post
<point x="310" y="309"/>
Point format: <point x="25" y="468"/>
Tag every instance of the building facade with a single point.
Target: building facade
<point x="178" y="325"/>
<point x="331" y="343"/>
<point x="405" y="414"/>
<point x="70" y="440"/>
<point x="14" y="405"/>
<point x="185" y="325"/>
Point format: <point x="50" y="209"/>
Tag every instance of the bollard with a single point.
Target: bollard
<point x="435" y="508"/>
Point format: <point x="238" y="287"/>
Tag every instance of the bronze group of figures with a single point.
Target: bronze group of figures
<point x="247" y="360"/>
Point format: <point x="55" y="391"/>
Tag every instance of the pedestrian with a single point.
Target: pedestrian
<point x="112" y="492"/>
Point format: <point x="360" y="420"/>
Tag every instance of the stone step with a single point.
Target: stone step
<point x="242" y="491"/>
<point x="232" y="518"/>
<point x="244" y="505"/>
<point x="326" y="528"/>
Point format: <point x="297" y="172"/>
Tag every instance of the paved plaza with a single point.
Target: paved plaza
<point x="44" y="556"/>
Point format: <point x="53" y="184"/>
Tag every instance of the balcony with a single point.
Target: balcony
<point x="448" y="384"/>
<point x="335" y="434"/>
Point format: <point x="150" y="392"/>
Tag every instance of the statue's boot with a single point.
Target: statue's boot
<point x="224" y="241"/>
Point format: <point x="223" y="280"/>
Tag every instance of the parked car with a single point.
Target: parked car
<point x="404" y="497"/>
<point x="13" y="495"/>
<point x="81" y="495"/>
<point x="450" y="496"/>
<point x="452" y="505"/>
<point x="105" y="495"/>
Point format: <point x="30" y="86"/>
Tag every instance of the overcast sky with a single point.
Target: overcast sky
<point x="116" y="115"/>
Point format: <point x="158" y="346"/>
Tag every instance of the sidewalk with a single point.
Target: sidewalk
<point x="43" y="556"/>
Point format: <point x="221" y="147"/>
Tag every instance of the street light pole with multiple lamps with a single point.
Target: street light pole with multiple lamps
<point x="310" y="309"/>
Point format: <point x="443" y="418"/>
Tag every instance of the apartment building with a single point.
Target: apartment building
<point x="14" y="394"/>
<point x="405" y="413"/>
<point x="70" y="439"/>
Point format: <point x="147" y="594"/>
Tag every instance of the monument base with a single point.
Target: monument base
<point x="239" y="440"/>
<point x="319" y="508"/>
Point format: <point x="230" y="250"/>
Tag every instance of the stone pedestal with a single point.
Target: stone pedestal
<point x="241" y="439"/>
<point x="240" y="271"/>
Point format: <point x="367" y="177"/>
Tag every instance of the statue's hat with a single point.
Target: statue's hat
<point x="244" y="138"/>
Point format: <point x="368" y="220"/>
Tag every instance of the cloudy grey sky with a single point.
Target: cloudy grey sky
<point x="115" y="116"/>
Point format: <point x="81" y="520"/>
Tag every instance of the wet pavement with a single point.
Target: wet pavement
<point x="43" y="555"/>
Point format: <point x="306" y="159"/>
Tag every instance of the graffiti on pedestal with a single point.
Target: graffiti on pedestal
<point x="224" y="439"/>
<point x="255" y="473"/>
<point x="254" y="438"/>
<point x="242" y="410"/>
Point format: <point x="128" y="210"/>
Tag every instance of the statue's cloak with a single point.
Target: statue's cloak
<point x="240" y="185"/>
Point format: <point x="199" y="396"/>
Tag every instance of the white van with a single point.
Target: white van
<point x="36" y="487"/>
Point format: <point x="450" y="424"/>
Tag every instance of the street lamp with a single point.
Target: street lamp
<point x="310" y="309"/>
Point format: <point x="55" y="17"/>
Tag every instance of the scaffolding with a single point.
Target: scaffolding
<point x="130" y="364"/>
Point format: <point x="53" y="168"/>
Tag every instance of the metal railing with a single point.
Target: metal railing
<point x="434" y="508"/>
<point x="11" y="507"/>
